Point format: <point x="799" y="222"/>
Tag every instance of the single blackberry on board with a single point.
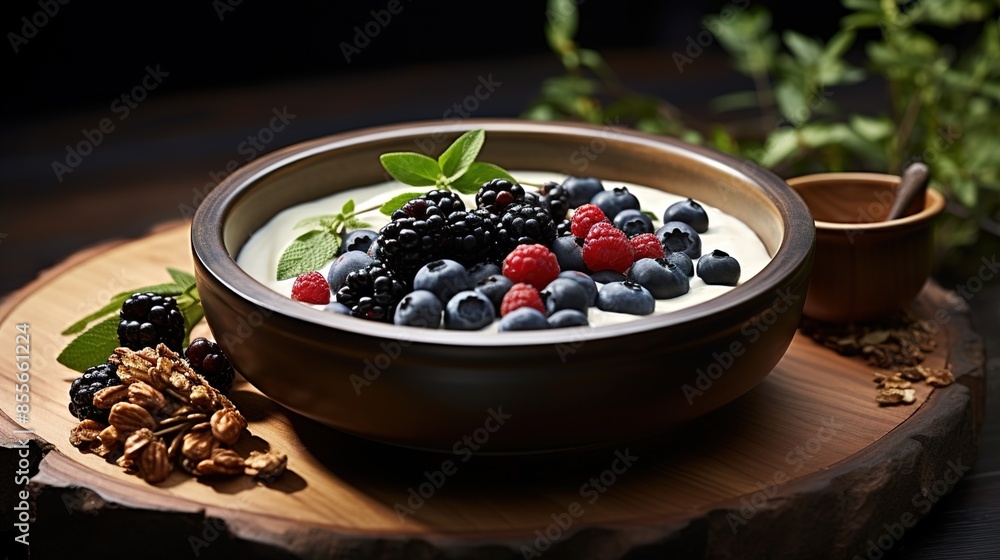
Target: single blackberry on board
<point x="81" y="392"/>
<point x="373" y="292"/>
<point x="497" y="194"/>
<point x="208" y="361"/>
<point x="440" y="203"/>
<point x="472" y="237"/>
<point x="556" y="199"/>
<point x="524" y="224"/>
<point x="147" y="319"/>
<point x="406" y="244"/>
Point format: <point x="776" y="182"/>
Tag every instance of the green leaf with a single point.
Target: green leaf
<point x="325" y="221"/>
<point x="563" y="20"/>
<point x="479" y="173"/>
<point x="863" y="5"/>
<point x="734" y="101"/>
<point x="870" y="128"/>
<point x="348" y="207"/>
<point x="192" y="316"/>
<point x="183" y="279"/>
<point x="397" y="202"/>
<point x="112" y="307"/>
<point x="462" y="152"/>
<point x="861" y="20"/>
<point x="91" y="348"/>
<point x="310" y="251"/>
<point x="170" y="289"/>
<point x="780" y="144"/>
<point x="411" y="168"/>
<point x="651" y="215"/>
<point x="355" y="223"/>
<point x="804" y="48"/>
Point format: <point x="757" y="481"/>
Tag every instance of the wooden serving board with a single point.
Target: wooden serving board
<point x="806" y="464"/>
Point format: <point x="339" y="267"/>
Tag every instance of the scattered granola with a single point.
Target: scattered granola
<point x="164" y="415"/>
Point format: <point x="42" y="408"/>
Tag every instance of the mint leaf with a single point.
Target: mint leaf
<point x="170" y="289"/>
<point x="651" y="215"/>
<point x="355" y="223"/>
<point x="91" y="348"/>
<point x="310" y="251"/>
<point x="112" y="307"/>
<point x="460" y="155"/>
<point x="348" y="207"/>
<point x="192" y="316"/>
<point x="397" y="202"/>
<point x="183" y="279"/>
<point x="118" y="299"/>
<point x="411" y="168"/>
<point x="325" y="221"/>
<point x="479" y="172"/>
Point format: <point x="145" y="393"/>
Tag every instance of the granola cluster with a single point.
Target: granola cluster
<point x="164" y="415"/>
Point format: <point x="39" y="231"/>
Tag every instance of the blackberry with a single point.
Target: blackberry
<point x="523" y="224"/>
<point x="406" y="244"/>
<point x="147" y="319"/>
<point x="373" y="292"/>
<point x="556" y="199"/>
<point x="497" y="194"/>
<point x="208" y="361"/>
<point x="434" y="203"/>
<point x="472" y="237"/>
<point x="564" y="228"/>
<point x="81" y="392"/>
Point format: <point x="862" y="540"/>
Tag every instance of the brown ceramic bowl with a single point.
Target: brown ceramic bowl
<point x="562" y="388"/>
<point x="865" y="267"/>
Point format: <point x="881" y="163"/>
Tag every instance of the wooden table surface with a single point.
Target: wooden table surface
<point x="158" y="164"/>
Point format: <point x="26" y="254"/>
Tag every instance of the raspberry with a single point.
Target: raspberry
<point x="531" y="264"/>
<point x="646" y="245"/>
<point x="311" y="287"/>
<point x="208" y="361"/>
<point x="607" y="248"/>
<point x="521" y="295"/>
<point x="147" y="319"/>
<point x="584" y="218"/>
<point x="81" y="392"/>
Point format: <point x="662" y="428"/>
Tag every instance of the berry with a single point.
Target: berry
<point x="585" y="282"/>
<point x="647" y="246"/>
<point x="523" y="319"/>
<point x="584" y="218"/>
<point x="626" y="297"/>
<point x="483" y="270"/>
<point x="524" y="224"/>
<point x="434" y="203"/>
<point x="531" y="264"/>
<point x="338" y="308"/>
<point x="419" y="308"/>
<point x="443" y="278"/>
<point x="147" y="319"/>
<point x="633" y="222"/>
<point x="556" y="200"/>
<point x="564" y="228"/>
<point x="607" y="248"/>
<point x="468" y="311"/>
<point x="372" y="292"/>
<point x="564" y="293"/>
<point x="81" y="392"/>
<point x="682" y="261"/>
<point x="567" y="318"/>
<point x="494" y="287"/>
<point x="607" y="276"/>
<point x="311" y="287"/>
<point x="472" y="236"/>
<point x="406" y="244"/>
<point x="208" y="361"/>
<point x="689" y="212"/>
<point x="719" y="268"/>
<point x="358" y="240"/>
<point x="678" y="236"/>
<point x="662" y="278"/>
<point x="344" y="265"/>
<point x="581" y="190"/>
<point x="449" y="202"/>
<point x="521" y="295"/>
<point x="497" y="194"/>
<point x="568" y="253"/>
<point x="614" y="201"/>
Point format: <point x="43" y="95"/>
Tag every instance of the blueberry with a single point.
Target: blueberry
<point x="585" y="281"/>
<point x="373" y="249"/>
<point x="689" y="212"/>
<point x="581" y="190"/>
<point x="358" y="240"/>
<point x="494" y="288"/>
<point x="607" y="276"/>
<point x="338" y="308"/>
<point x="681" y="261"/>
<point x="444" y="278"/>
<point x="662" y="278"/>
<point x="719" y="268"/>
<point x="625" y="297"/>
<point x="344" y="265"/>
<point x="483" y="270"/>
<point x="569" y="253"/>
<point x="468" y="311"/>
<point x="418" y="308"/>
<point x="633" y="222"/>
<point x="523" y="319"/>
<point x="614" y="201"/>
<point x="564" y="293"/>
<point x="568" y="318"/>
<point x="680" y="237"/>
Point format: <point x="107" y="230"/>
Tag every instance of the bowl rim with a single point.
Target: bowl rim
<point x="208" y="246"/>
<point x="936" y="206"/>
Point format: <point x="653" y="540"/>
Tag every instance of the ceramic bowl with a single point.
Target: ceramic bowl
<point x="865" y="267"/>
<point x="522" y="391"/>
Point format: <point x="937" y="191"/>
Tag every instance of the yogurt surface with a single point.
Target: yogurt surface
<point x="259" y="256"/>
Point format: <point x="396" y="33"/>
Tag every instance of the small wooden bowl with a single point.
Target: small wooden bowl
<point x="865" y="267"/>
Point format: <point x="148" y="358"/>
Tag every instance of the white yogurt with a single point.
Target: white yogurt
<point x="259" y="256"/>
